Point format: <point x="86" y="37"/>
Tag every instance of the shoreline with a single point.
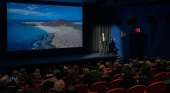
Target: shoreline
<point x="44" y="43"/>
<point x="64" y="36"/>
<point x="59" y="37"/>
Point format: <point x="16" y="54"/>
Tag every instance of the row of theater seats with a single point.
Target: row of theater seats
<point x="115" y="80"/>
<point x="112" y="87"/>
<point x="156" y="87"/>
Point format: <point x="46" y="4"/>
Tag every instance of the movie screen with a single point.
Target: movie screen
<point x="38" y="26"/>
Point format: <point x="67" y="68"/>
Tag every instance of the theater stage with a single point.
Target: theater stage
<point x="59" y="59"/>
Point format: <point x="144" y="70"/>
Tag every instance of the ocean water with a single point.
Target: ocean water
<point x="23" y="37"/>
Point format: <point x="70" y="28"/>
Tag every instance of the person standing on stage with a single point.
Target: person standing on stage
<point x="102" y="39"/>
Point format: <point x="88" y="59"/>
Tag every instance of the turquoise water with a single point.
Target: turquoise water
<point x="22" y="37"/>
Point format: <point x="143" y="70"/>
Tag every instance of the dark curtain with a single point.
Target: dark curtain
<point x="96" y="34"/>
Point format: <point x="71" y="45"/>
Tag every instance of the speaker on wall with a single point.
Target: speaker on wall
<point x="168" y="17"/>
<point x="151" y="19"/>
<point x="118" y="21"/>
<point x="131" y="21"/>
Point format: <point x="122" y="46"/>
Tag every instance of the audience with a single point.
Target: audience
<point x="62" y="74"/>
<point x="72" y="78"/>
<point x="152" y="60"/>
<point x="128" y="80"/>
<point x="55" y="70"/>
<point x="14" y="73"/>
<point x="89" y="75"/>
<point x="47" y="85"/>
<point x="92" y="76"/>
<point x="59" y="86"/>
<point x="71" y="89"/>
<point x="47" y="71"/>
<point x="22" y="74"/>
<point x="4" y="80"/>
<point x="102" y="70"/>
<point x="30" y="82"/>
<point x="146" y="76"/>
<point x="116" y="70"/>
<point x="37" y="73"/>
<point x="107" y="65"/>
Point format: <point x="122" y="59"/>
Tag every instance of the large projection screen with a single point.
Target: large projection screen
<point x="39" y="26"/>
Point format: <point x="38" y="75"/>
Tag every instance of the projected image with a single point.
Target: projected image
<point x="35" y="26"/>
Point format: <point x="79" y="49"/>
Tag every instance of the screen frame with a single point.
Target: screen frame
<point x="53" y="52"/>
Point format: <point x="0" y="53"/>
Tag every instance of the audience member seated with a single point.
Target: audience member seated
<point x="30" y="82"/>
<point x="47" y="71"/>
<point x="157" y="64"/>
<point x="4" y="81"/>
<point x="107" y="65"/>
<point x="76" y="69"/>
<point x="163" y="66"/>
<point x="59" y="86"/>
<point x="117" y="69"/>
<point x="37" y="73"/>
<point x="134" y="63"/>
<point x="71" y="89"/>
<point x="55" y="70"/>
<point x="80" y="72"/>
<point x="14" y="73"/>
<point x="145" y="59"/>
<point x="72" y="78"/>
<point x="92" y="76"/>
<point x="97" y="65"/>
<point x="47" y="85"/>
<point x="62" y="74"/>
<point x="102" y="70"/>
<point x="146" y="76"/>
<point x="22" y="74"/>
<point x="111" y="65"/>
<point x="13" y="81"/>
<point x="152" y="60"/>
<point x="128" y="80"/>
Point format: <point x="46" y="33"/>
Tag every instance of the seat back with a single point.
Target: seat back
<point x="12" y="87"/>
<point x="21" y="84"/>
<point x="136" y="89"/>
<point x="98" y="87"/>
<point x="105" y="78"/>
<point x="116" y="90"/>
<point x="37" y="81"/>
<point x="64" y="78"/>
<point x="81" y="88"/>
<point x="160" y="77"/>
<point x="48" y="77"/>
<point x="155" y="87"/>
<point x="23" y="80"/>
<point x="168" y="75"/>
<point x="117" y="76"/>
<point x="114" y="84"/>
<point x="154" y="70"/>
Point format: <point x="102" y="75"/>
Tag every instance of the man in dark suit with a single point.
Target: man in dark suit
<point x="92" y="76"/>
<point x="102" y="39"/>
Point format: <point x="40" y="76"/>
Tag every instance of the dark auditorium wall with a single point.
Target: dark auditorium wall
<point x="158" y="31"/>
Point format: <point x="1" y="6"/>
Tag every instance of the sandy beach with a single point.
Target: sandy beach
<point x="64" y="36"/>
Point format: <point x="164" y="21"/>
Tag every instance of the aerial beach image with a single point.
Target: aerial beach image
<point x="37" y="26"/>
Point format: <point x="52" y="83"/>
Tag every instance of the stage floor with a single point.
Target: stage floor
<point x="54" y="59"/>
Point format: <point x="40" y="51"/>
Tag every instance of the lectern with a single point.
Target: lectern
<point x="104" y="46"/>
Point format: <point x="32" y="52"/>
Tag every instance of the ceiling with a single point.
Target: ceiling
<point x="109" y="3"/>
